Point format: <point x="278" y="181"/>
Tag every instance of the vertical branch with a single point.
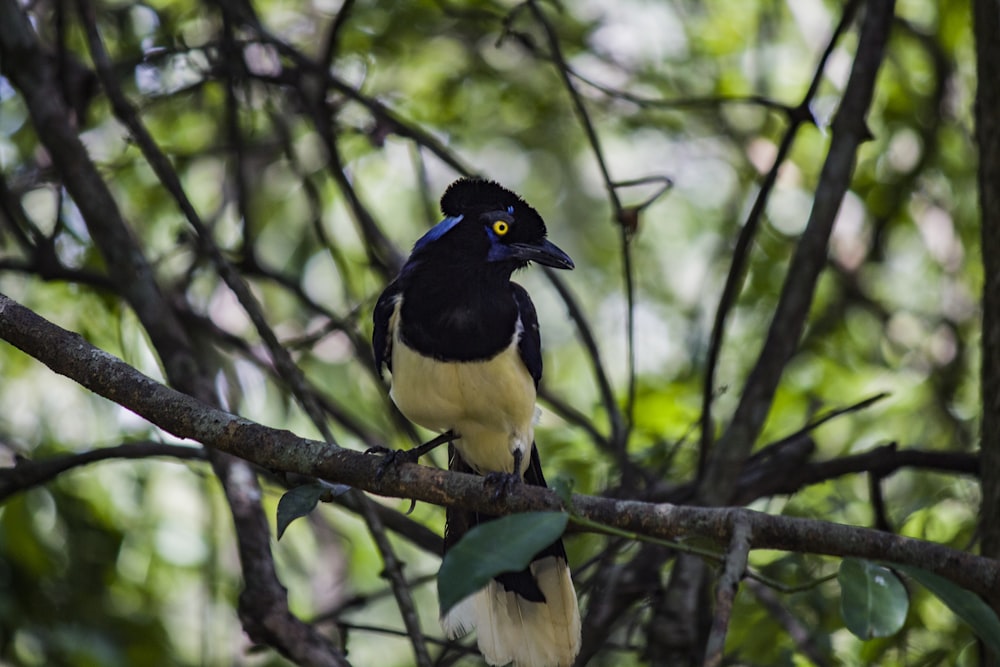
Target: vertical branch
<point x="986" y="23"/>
<point x="234" y="70"/>
<point x="725" y="591"/>
<point x="594" y="353"/>
<point x="848" y="132"/>
<point x="394" y="572"/>
<point x="620" y="424"/>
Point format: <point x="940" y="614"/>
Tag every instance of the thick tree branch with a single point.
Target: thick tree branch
<point x="69" y="354"/>
<point x="22" y="59"/>
<point x="987" y="29"/>
<point x="720" y="466"/>
<point x="787" y="471"/>
<point x="264" y="605"/>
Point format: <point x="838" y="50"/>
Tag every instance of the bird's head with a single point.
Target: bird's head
<point x="485" y="220"/>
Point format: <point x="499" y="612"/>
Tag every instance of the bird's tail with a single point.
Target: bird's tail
<point x="529" y="618"/>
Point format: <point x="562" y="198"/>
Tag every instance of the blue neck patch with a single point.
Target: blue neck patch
<point x="498" y="251"/>
<point x="437" y="231"/>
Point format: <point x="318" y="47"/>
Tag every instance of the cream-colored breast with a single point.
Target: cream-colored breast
<point x="490" y="404"/>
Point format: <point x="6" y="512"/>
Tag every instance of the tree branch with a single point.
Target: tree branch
<point x="28" y="474"/>
<point x="69" y="354"/>
<point x="741" y="252"/>
<point x="987" y="110"/>
<point x="725" y="591"/>
<point x="848" y="132"/>
<point x="263" y="604"/>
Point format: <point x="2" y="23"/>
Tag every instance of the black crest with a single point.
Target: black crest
<point x="472" y="196"/>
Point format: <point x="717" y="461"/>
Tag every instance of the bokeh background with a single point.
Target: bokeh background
<point x="132" y="562"/>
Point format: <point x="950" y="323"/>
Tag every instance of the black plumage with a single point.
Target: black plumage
<point x="462" y="343"/>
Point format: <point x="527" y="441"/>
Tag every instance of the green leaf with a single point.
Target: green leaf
<point x="502" y="545"/>
<point x="967" y="605"/>
<point x="873" y="601"/>
<point x="298" y="502"/>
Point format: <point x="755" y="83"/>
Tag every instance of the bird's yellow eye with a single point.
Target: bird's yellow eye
<point x="500" y="227"/>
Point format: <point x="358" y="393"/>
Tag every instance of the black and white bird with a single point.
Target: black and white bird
<point x="461" y="342"/>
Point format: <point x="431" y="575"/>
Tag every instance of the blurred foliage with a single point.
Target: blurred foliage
<point x="133" y="563"/>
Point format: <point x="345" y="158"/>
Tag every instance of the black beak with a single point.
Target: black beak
<point x="544" y="252"/>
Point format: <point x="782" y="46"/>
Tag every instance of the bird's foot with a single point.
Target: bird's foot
<point x="505" y="482"/>
<point x="394" y="457"/>
<point x="502" y="482"/>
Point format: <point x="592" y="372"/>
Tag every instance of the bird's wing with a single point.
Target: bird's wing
<point x="382" y="333"/>
<point x="530" y="345"/>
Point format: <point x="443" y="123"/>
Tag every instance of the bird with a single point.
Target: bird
<point x="462" y="346"/>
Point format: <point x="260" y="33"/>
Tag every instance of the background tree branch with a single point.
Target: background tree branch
<point x="264" y="606"/>
<point x="987" y="110"/>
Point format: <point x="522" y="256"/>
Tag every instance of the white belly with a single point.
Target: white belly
<point x="490" y="404"/>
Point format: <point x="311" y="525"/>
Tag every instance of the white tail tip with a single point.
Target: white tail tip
<point x="514" y="630"/>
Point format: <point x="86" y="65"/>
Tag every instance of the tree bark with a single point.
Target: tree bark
<point x="986" y="24"/>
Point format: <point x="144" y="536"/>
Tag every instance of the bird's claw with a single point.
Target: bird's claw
<point x="502" y="482"/>
<point x="505" y="482"/>
<point x="392" y="458"/>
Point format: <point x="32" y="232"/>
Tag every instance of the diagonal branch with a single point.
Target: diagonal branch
<point x="69" y="354"/>
<point x="741" y="252"/>
<point x="255" y="546"/>
<point x="264" y="604"/>
<point x="621" y="424"/>
<point x="848" y="132"/>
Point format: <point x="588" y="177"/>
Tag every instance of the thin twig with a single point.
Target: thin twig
<point x="741" y="252"/>
<point x="332" y="40"/>
<point x="848" y="131"/>
<point x="28" y="474"/>
<point x="394" y="572"/>
<point x="382" y="114"/>
<point x="793" y="625"/>
<point x="619" y="437"/>
<point x="361" y="627"/>
<point x="573" y="416"/>
<point x="594" y="354"/>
